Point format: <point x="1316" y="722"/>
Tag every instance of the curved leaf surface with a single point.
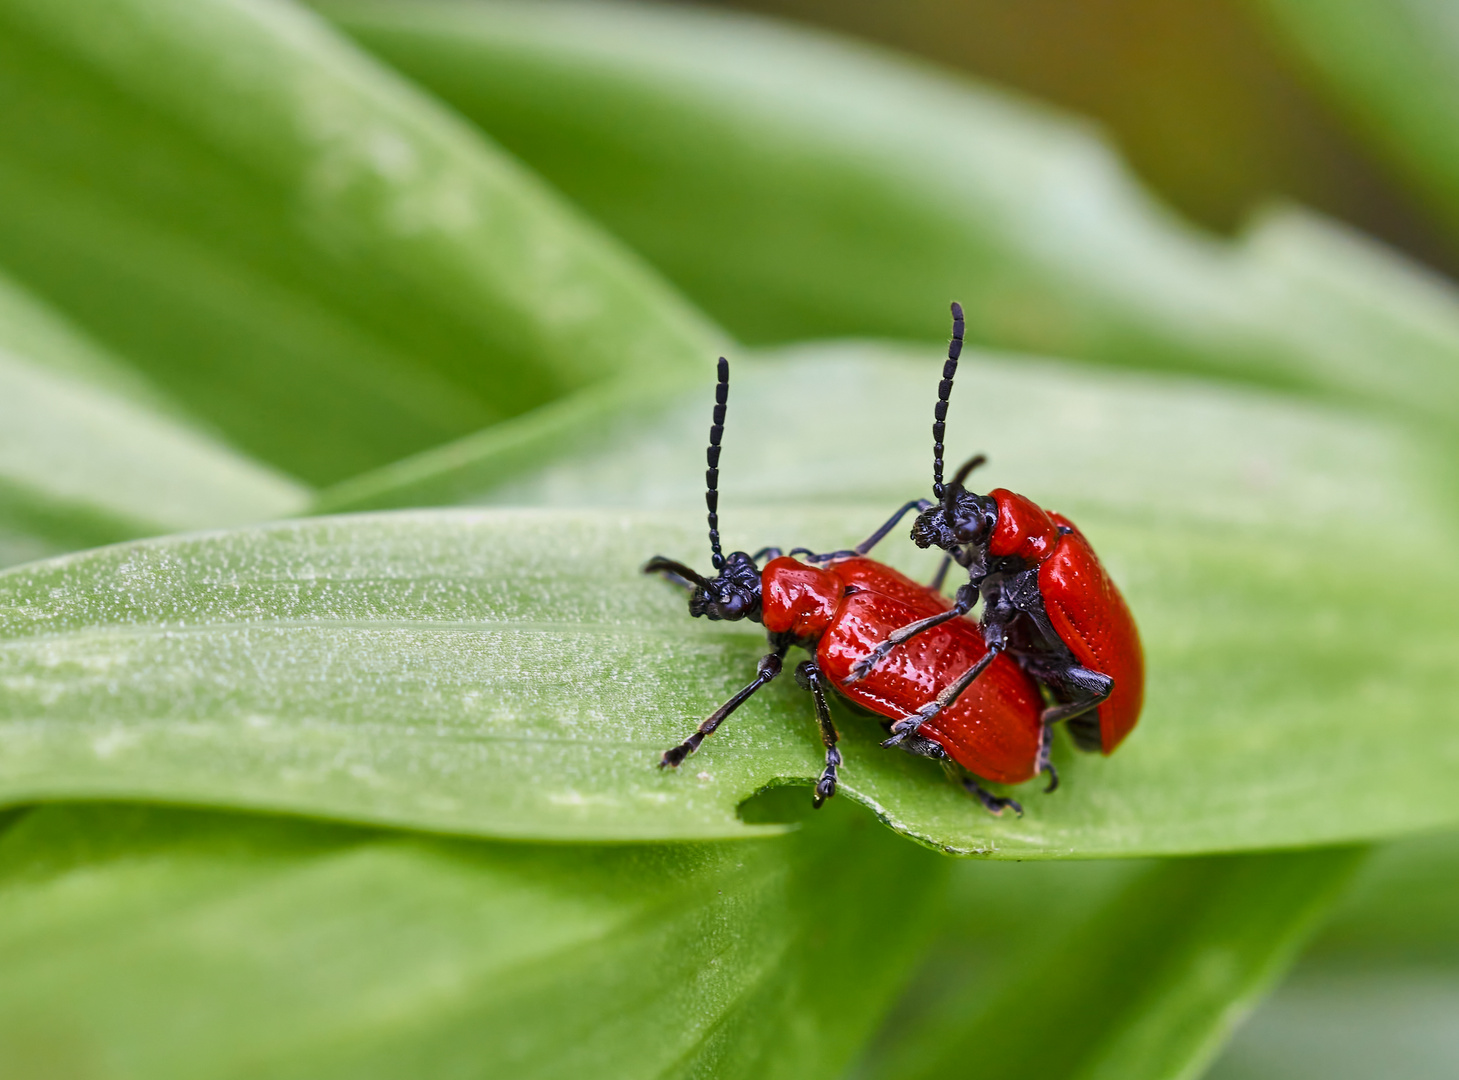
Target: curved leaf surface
<point x="1140" y="982"/>
<point x="295" y="243"/>
<point x="801" y="185"/>
<point x="91" y="454"/>
<point x="509" y="673"/>
<point x="154" y="943"/>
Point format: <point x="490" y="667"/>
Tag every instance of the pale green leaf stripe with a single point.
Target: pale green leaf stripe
<point x="849" y="422"/>
<point x="799" y="185"/>
<point x="160" y="944"/>
<point x="1147" y="986"/>
<point x="294" y="242"/>
<point x="90" y="454"/>
<point x="1392" y="67"/>
<point x="1376" y="994"/>
<point x="510" y="673"/>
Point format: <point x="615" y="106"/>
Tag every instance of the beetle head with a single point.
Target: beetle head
<point x="734" y="592"/>
<point x="733" y="595"/>
<point x="961" y="520"/>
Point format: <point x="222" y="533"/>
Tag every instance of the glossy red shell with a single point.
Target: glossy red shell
<point x="798" y="599"/>
<point x="992" y="729"/>
<point x="1090" y="615"/>
<point x="1024" y="528"/>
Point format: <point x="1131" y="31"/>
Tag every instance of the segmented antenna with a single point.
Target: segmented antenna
<point x="944" y="391"/>
<point x="711" y="476"/>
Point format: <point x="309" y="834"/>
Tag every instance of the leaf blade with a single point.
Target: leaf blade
<point x="799" y="185"/>
<point x="1147" y="983"/>
<point x="90" y="454"/>
<point x="367" y="276"/>
<point x="143" y="941"/>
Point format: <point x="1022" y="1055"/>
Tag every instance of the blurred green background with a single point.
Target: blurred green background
<point x="268" y="811"/>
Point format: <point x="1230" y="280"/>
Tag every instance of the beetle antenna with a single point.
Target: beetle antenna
<point x="711" y="476"/>
<point x="660" y="565"/>
<point x="962" y="474"/>
<point x="944" y="391"/>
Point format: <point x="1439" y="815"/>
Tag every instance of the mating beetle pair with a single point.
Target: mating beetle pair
<point x="1055" y="641"/>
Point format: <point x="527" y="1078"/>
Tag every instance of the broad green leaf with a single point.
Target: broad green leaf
<point x="295" y="243"/>
<point x="1392" y="68"/>
<point x="153" y="943"/>
<point x="849" y="422"/>
<point x="798" y="185"/>
<point x="90" y="454"/>
<point x="1145" y="983"/>
<point x="509" y="672"/>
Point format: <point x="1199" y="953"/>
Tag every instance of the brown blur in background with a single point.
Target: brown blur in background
<point x="1194" y="93"/>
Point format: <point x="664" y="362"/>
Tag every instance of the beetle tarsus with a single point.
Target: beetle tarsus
<point x="994" y="804"/>
<point x="674" y="757"/>
<point x="769" y="668"/>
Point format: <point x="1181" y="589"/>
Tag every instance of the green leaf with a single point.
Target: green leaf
<point x="1350" y="1023"/>
<point x="510" y="672"/>
<point x="293" y="242"/>
<point x="1376" y="994"/>
<point x="1147" y="983"/>
<point x="799" y="185"/>
<point x="152" y="943"/>
<point x="1392" y="69"/>
<point x="91" y="454"/>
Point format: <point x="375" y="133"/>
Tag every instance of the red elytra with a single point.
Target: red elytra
<point x="1084" y="607"/>
<point x="848" y="607"/>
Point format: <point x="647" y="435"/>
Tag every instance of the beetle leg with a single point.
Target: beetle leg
<point x="1089" y="690"/>
<point x="1043" y="762"/>
<point x="909" y="725"/>
<point x="991" y="803"/>
<point x="935" y="585"/>
<point x="967" y="596"/>
<point x="769" y="668"/>
<point x="808" y="675"/>
<point x="877" y="537"/>
<point x="867" y="544"/>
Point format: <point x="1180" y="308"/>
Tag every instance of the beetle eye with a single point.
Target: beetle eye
<point x="732" y="604"/>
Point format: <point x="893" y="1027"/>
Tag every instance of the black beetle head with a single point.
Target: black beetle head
<point x="733" y="595"/>
<point x="961" y="520"/>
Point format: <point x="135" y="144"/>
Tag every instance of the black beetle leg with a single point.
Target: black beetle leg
<point x="808" y="675"/>
<point x="1089" y="690"/>
<point x="1044" y="762"/>
<point x="768" y="669"/>
<point x="967" y="596"/>
<point x="935" y="585"/>
<point x="867" y="544"/>
<point x="991" y="803"/>
<point x="908" y="725"/>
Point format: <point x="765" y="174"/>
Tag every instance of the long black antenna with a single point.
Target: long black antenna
<point x="944" y="391"/>
<point x="711" y="476"/>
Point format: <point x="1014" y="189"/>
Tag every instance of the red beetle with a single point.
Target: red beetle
<point x="1047" y="601"/>
<point x="839" y="612"/>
